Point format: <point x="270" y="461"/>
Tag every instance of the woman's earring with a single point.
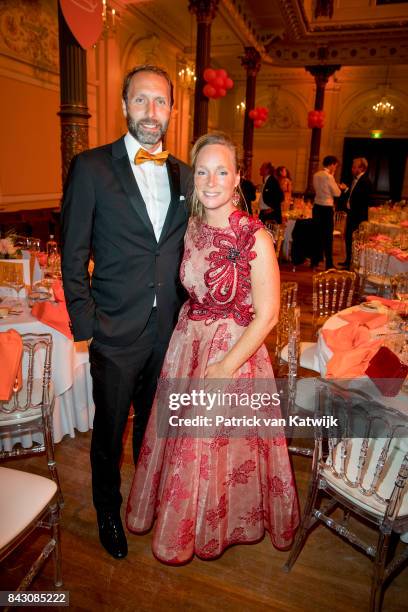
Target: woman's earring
<point x="235" y="198"/>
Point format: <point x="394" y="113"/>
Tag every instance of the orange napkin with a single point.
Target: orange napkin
<point x="398" y="254"/>
<point x="347" y="337"/>
<point x="58" y="291"/>
<point x="54" y="314"/>
<point x="352" y="348"/>
<point x="369" y="319"/>
<point x="380" y="238"/>
<point x="397" y="305"/>
<point x="11" y="354"/>
<point x="352" y="363"/>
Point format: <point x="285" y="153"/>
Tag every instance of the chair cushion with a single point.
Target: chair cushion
<point x="309" y="356"/>
<point x="24" y="416"/>
<point x="27" y="496"/>
<point x="368" y="502"/>
<point x="306" y="394"/>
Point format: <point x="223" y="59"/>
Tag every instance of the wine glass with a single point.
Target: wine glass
<point x="15" y="280"/>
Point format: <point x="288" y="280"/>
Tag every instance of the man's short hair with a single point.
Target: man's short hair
<point x="329" y="160"/>
<point x="147" y="68"/>
<point x="361" y="162"/>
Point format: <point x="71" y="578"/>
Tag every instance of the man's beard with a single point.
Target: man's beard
<point x="144" y="136"/>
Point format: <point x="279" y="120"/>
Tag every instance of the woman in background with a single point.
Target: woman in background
<point x="285" y="183"/>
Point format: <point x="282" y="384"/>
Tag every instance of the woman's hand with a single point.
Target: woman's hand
<point x="218" y="370"/>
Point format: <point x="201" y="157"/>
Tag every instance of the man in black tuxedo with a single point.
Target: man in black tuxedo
<point x="357" y="203"/>
<point x="272" y="195"/>
<point x="125" y="203"/>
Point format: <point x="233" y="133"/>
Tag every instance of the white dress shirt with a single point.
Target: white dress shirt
<point x="153" y="182"/>
<point x="325" y="187"/>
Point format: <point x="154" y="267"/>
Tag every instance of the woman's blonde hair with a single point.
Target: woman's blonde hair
<point x="212" y="138"/>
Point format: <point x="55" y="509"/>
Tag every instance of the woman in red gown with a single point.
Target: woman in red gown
<point x="207" y="489"/>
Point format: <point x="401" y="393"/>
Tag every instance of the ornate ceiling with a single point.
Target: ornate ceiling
<point x="291" y="32"/>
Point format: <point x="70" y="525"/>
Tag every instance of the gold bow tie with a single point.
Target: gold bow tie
<point x="143" y="156"/>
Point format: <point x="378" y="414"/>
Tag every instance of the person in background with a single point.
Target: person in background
<point x="285" y="183"/>
<point x="357" y="203"/>
<point x="248" y="191"/>
<point x="124" y="202"/>
<point x="326" y="189"/>
<point x="272" y="196"/>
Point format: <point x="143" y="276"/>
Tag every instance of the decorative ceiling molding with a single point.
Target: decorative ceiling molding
<point x="353" y="43"/>
<point x="244" y="26"/>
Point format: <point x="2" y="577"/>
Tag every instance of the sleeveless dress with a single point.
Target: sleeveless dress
<point x="207" y="493"/>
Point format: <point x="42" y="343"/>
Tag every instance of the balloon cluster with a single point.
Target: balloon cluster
<point x="217" y="83"/>
<point x="315" y="119"/>
<point x="259" y="115"/>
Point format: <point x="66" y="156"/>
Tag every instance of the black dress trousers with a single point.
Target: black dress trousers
<point x="323" y="217"/>
<point x="121" y="375"/>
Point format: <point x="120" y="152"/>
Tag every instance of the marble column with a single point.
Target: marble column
<point x="205" y="11"/>
<point x="252" y="63"/>
<point x="321" y="75"/>
<point x="73" y="95"/>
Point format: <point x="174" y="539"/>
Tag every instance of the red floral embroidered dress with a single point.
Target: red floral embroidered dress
<point x="208" y="493"/>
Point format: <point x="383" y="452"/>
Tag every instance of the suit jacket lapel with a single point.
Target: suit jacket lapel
<point x="123" y="170"/>
<point x="173" y="171"/>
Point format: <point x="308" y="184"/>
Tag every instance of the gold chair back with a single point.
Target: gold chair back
<point x="332" y="291"/>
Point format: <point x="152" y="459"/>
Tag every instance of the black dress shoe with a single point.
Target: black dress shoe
<point x="111" y="534"/>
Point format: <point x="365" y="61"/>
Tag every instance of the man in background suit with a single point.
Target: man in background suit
<point x="125" y="203"/>
<point x="357" y="203"/>
<point x="270" y="206"/>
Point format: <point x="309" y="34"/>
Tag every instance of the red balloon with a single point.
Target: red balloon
<point x="221" y="73"/>
<point x="252" y="114"/>
<point x="209" y="74"/>
<point x="209" y="91"/>
<point x="222" y="92"/>
<point x="229" y="83"/>
<point x="258" y="123"/>
<point x="218" y="82"/>
<point x="263" y="113"/>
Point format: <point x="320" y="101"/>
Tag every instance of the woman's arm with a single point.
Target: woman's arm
<point x="265" y="281"/>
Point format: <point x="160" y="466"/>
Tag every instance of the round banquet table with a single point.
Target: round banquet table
<point x="365" y="384"/>
<point x="74" y="407"/>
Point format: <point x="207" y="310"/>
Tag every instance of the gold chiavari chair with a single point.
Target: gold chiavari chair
<point x="360" y="465"/>
<point x="399" y="287"/>
<point x="307" y="350"/>
<point x="29" y="410"/>
<point x="332" y="291"/>
<point x="375" y="262"/>
<point x="29" y="502"/>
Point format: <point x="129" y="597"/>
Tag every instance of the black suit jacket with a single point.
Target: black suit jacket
<point x="103" y="213"/>
<point x="273" y="197"/>
<point x="360" y="200"/>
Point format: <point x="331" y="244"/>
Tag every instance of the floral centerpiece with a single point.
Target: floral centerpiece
<point x="8" y="250"/>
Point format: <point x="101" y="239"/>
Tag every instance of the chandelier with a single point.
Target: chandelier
<point x="109" y="16"/>
<point x="186" y="75"/>
<point x="240" y="108"/>
<point x="383" y="108"/>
